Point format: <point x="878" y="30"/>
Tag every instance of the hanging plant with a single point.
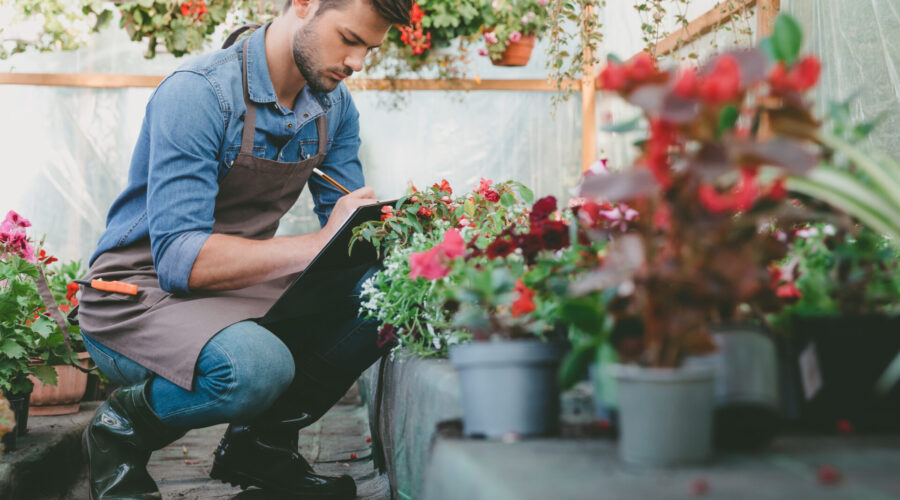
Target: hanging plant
<point x="183" y="27"/>
<point x="421" y="49"/>
<point x="511" y="21"/>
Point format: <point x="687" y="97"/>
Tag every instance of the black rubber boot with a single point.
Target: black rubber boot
<point x="118" y="442"/>
<point x="265" y="455"/>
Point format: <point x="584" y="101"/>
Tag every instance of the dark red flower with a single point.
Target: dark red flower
<point x="789" y="292"/>
<point x="500" y="247"/>
<point x="492" y="196"/>
<point x="531" y="243"/>
<point x="554" y="233"/>
<point x="386" y="335"/>
<point x="723" y="83"/>
<point x="542" y="209"/>
<point x="425" y="212"/>
<point x="524" y="304"/>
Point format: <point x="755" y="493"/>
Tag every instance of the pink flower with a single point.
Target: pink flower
<point x="619" y="216"/>
<point x="543" y="2"/>
<point x="515" y="36"/>
<point x="490" y="37"/>
<point x="527" y="18"/>
<point x="12" y="221"/>
<point x="433" y="264"/>
<point x="483" y="186"/>
<point x="482" y="52"/>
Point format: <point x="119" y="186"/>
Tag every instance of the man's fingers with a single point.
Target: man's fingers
<point x="363" y="192"/>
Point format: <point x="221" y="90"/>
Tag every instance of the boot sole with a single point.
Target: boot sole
<point x="244" y="481"/>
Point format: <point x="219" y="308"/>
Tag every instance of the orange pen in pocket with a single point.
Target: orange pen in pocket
<point x="110" y="286"/>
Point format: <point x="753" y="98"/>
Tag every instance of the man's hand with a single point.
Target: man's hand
<point x="345" y="207"/>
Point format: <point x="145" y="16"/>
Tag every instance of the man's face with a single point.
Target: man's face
<point x="334" y="43"/>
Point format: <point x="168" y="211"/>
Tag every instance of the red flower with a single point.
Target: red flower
<point x="641" y="67"/>
<point x="414" y="199"/>
<point x="723" y="83"/>
<point x="416" y="14"/>
<point x="802" y="76"/>
<point x="524" y="304"/>
<point x="542" y="209"/>
<point x="687" y="84"/>
<point x="788" y="291"/>
<point x="425" y="212"/>
<point x="740" y="198"/>
<point x="492" y="196"/>
<point x="656" y="157"/>
<point x="193" y="8"/>
<point x="613" y="77"/>
<point x="46" y="259"/>
<point x="483" y="186"/>
<point x="828" y="475"/>
<point x="500" y="247"/>
<point x="64" y="308"/>
<point x="71" y="290"/>
<point x="777" y="191"/>
<point x="444" y="186"/>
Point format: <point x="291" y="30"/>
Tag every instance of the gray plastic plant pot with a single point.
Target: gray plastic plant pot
<point x="508" y="387"/>
<point x="665" y="414"/>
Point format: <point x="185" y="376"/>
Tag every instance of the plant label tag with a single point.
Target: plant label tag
<point x="809" y="371"/>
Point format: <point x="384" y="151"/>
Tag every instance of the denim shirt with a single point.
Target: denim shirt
<point x="191" y="133"/>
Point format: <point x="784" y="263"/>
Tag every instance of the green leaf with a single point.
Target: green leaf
<point x="787" y="39"/>
<point x="575" y="363"/>
<point x="728" y="117"/>
<point x="469" y="207"/>
<point x="507" y="200"/>
<point x="622" y="127"/>
<point x="45" y="373"/>
<point x="43" y="327"/>
<point x="12" y="349"/>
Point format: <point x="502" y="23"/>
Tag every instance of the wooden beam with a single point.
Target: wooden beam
<point x="766" y="12"/>
<point x="588" y="106"/>
<point x="702" y="25"/>
<point x="102" y="80"/>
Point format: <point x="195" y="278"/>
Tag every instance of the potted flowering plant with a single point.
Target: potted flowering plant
<point x="511" y="29"/>
<point x="37" y="357"/>
<point x="485" y="267"/>
<point x="843" y="282"/>
<point x="709" y="187"/>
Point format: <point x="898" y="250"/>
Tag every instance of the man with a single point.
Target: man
<point x="227" y="145"/>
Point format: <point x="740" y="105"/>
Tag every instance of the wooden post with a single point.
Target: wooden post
<point x="588" y="110"/>
<point x="766" y="12"/>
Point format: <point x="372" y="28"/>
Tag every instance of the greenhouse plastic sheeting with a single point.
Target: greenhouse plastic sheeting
<point x="859" y="43"/>
<point x="67" y="150"/>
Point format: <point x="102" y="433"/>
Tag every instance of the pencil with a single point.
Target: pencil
<point x="331" y="181"/>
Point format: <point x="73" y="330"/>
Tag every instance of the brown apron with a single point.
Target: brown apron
<point x="165" y="333"/>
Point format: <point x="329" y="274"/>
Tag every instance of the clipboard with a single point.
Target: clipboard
<point x="332" y="274"/>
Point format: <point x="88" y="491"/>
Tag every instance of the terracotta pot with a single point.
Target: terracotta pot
<point x="63" y="398"/>
<point x="516" y="53"/>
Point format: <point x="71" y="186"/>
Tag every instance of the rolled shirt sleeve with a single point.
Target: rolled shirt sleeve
<point x="186" y="127"/>
<point x="342" y="162"/>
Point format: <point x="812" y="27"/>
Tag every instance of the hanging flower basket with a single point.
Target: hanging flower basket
<point x="517" y="53"/>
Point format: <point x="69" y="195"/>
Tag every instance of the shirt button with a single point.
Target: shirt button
<point x="290" y="125"/>
<point x="305" y="115"/>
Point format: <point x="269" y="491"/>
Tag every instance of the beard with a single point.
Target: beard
<point x="304" y="46"/>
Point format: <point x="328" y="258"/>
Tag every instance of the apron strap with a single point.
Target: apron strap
<point x="237" y="33"/>
<point x="250" y="115"/>
<point x="56" y="314"/>
<point x="322" y="128"/>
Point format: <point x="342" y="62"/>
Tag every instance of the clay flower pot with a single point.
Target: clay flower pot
<point x="516" y="53"/>
<point x="63" y="398"/>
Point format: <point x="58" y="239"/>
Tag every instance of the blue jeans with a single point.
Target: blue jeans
<point x="248" y="371"/>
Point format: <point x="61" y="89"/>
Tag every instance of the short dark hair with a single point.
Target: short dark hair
<point x="395" y="11"/>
